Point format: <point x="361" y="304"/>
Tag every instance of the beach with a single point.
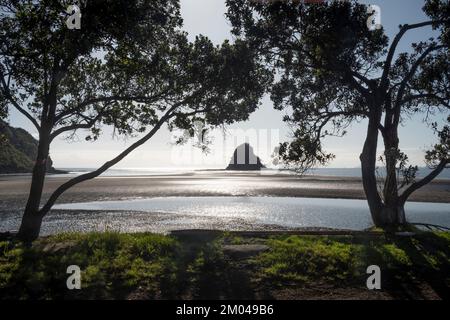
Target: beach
<point x="206" y="200"/>
<point x="14" y="188"/>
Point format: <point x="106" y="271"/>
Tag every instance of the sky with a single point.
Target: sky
<point x="265" y="128"/>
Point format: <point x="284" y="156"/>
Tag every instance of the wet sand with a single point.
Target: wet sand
<point x="14" y="189"/>
<point x="14" y="192"/>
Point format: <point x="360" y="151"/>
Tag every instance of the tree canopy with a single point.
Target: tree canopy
<point x="332" y="71"/>
<point x="130" y="66"/>
<point x="128" y="62"/>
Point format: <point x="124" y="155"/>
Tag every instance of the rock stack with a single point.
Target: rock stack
<point x="245" y="159"/>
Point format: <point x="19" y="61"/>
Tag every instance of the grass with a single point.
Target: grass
<point x="343" y="261"/>
<point x="113" y="264"/>
<point x="148" y="266"/>
<point x="300" y="259"/>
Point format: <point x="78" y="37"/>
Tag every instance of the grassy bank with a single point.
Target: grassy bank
<point x="147" y="266"/>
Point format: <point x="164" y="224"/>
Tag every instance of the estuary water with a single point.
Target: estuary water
<point x="165" y="214"/>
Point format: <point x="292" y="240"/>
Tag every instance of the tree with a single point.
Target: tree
<point x="129" y="66"/>
<point x="333" y="71"/>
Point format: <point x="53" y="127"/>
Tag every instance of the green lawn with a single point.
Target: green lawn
<point x="148" y="266"/>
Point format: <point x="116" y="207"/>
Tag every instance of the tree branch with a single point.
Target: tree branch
<point x="8" y="95"/>
<point x="416" y="65"/>
<point x="80" y="106"/>
<point x="427" y="179"/>
<point x="395" y="42"/>
<point x="364" y="79"/>
<point x="408" y="77"/>
<point x="441" y="100"/>
<point x="357" y="86"/>
<point x="75" y="126"/>
<point x="91" y="175"/>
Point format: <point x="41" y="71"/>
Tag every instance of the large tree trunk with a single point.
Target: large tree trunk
<point x="32" y="217"/>
<point x="392" y="216"/>
<point x="390" y="213"/>
<point x="393" y="212"/>
<point x="368" y="159"/>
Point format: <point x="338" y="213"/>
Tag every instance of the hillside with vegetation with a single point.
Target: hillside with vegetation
<point x="18" y="151"/>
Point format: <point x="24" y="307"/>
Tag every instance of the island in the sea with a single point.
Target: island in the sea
<point x="245" y="159"/>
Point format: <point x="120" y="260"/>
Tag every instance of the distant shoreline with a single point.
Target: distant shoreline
<point x="14" y="189"/>
<point x="327" y="173"/>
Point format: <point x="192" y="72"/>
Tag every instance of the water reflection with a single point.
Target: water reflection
<point x="226" y="213"/>
<point x="281" y="211"/>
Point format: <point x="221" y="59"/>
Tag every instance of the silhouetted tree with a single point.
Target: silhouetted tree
<point x="129" y="66"/>
<point x="334" y="71"/>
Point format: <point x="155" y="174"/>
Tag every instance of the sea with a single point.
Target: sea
<point x="152" y="171"/>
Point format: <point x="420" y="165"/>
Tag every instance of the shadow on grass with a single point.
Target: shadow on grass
<point x="430" y="255"/>
<point x="411" y="267"/>
<point x="416" y="267"/>
<point x="188" y="266"/>
<point x="123" y="266"/>
<point x="206" y="273"/>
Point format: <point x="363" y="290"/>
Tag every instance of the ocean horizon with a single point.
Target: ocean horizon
<point x="151" y="171"/>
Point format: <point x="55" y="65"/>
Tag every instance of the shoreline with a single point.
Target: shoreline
<point x="14" y="190"/>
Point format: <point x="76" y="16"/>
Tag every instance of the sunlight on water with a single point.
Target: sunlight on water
<point x="249" y="212"/>
<point x="162" y="215"/>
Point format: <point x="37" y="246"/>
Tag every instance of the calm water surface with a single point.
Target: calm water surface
<point x="227" y="213"/>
